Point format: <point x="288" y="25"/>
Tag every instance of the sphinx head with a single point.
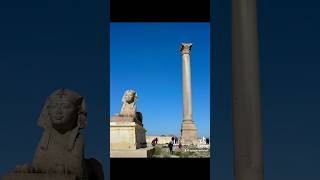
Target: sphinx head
<point x="64" y="110"/>
<point x="129" y="96"/>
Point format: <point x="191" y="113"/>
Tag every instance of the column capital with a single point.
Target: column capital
<point x="185" y="48"/>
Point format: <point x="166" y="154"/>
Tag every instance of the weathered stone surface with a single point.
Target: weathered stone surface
<point x="127" y="135"/>
<point x="138" y="153"/>
<point x="60" y="152"/>
<point x="128" y="111"/>
<point x="185" y="48"/>
<point x="189" y="133"/>
<point x="246" y="108"/>
<point x="129" y="101"/>
<point x="188" y="128"/>
<point x="121" y="118"/>
<point x="61" y="145"/>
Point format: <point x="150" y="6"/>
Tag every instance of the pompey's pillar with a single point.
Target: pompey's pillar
<point x="248" y="152"/>
<point x="188" y="128"/>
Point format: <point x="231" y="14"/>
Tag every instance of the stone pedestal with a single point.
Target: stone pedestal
<point x="121" y="118"/>
<point x="189" y="132"/>
<point x="137" y="153"/>
<point x="38" y="176"/>
<point x="127" y="137"/>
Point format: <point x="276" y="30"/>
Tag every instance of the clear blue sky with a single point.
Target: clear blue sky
<point x="146" y="57"/>
<point x="43" y="48"/>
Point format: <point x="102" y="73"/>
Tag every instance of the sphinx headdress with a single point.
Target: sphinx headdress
<point x="64" y="95"/>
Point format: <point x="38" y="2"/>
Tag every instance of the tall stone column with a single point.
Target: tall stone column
<point x="188" y="128"/>
<point x="248" y="152"/>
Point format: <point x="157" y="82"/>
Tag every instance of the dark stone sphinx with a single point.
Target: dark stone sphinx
<point x="60" y="152"/>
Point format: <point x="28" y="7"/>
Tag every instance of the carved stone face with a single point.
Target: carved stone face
<point x="129" y="97"/>
<point x="63" y="115"/>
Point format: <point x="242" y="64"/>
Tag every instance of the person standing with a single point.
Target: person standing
<point x="153" y="142"/>
<point x="170" y="145"/>
<point x="207" y="141"/>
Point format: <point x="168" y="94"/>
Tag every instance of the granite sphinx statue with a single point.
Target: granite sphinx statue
<point x="61" y="147"/>
<point x="129" y="101"/>
<point x="127" y="133"/>
<point x="129" y="108"/>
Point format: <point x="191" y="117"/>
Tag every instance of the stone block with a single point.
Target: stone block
<point x="138" y="153"/>
<point x="189" y="133"/>
<point x="121" y="118"/>
<point x="127" y="136"/>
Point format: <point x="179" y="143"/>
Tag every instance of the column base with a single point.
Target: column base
<point x="189" y="134"/>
